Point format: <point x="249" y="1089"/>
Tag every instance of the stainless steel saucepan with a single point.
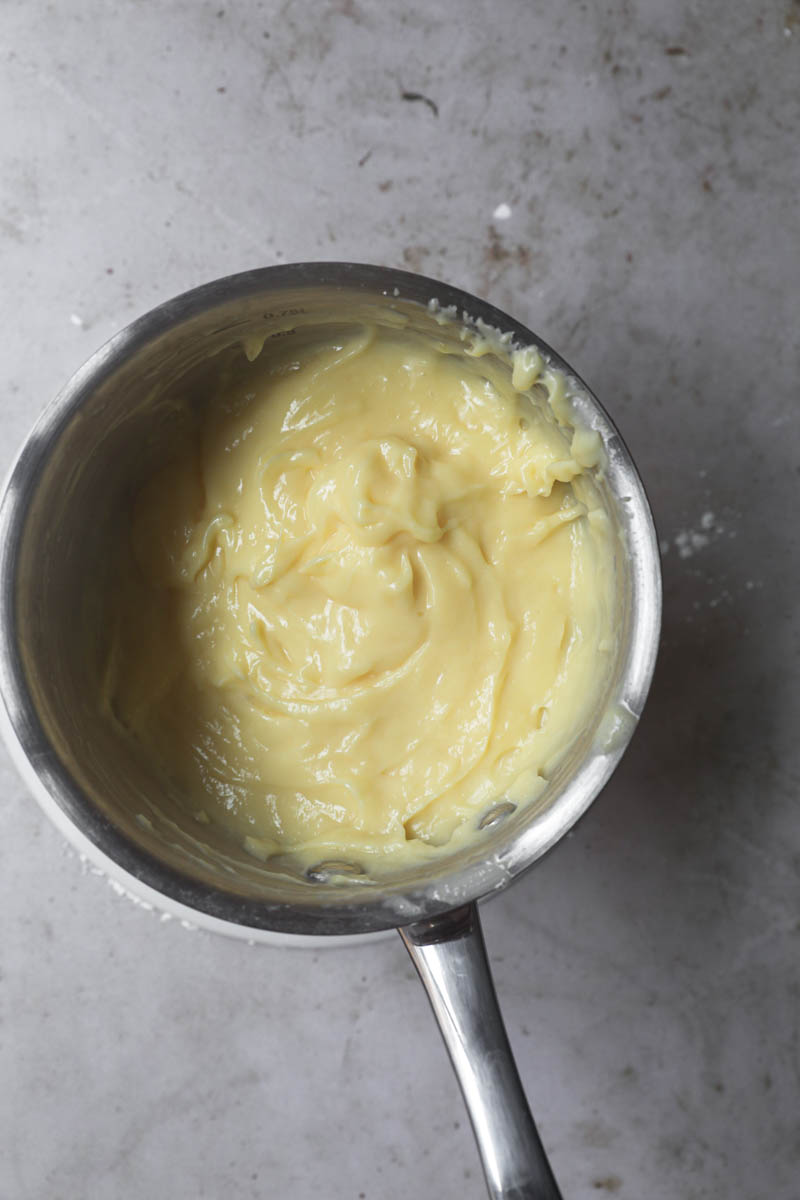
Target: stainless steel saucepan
<point x="68" y="493"/>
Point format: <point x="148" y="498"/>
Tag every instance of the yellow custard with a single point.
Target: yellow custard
<point x="367" y="602"/>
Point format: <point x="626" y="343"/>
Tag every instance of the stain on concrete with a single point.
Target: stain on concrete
<point x="414" y="97"/>
<point x="415" y="256"/>
<point x="596" y="1134"/>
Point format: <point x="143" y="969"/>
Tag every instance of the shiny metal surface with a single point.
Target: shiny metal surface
<point x="68" y="491"/>
<point x="450" y="956"/>
<point x="68" y="488"/>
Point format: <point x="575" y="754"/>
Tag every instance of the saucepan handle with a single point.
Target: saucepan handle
<point x="450" y="956"/>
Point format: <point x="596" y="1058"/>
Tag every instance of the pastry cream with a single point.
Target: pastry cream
<point x="368" y="602"/>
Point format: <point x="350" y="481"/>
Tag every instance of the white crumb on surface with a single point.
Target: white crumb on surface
<point x="690" y="541"/>
<point x="122" y="891"/>
<point x="502" y="212"/>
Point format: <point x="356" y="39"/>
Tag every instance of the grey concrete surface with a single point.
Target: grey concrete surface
<point x="648" y="154"/>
